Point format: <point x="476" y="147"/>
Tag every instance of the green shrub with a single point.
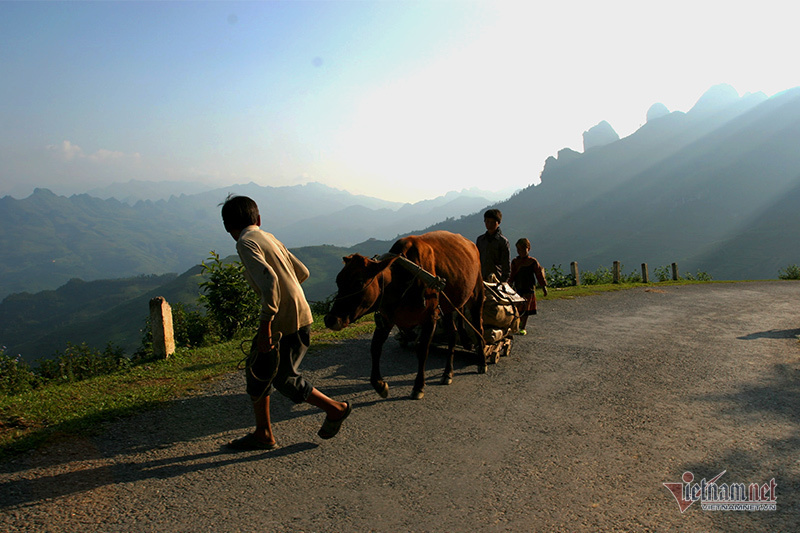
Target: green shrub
<point x="663" y="273"/>
<point x="229" y="300"/>
<point x="700" y="276"/>
<point x="601" y="276"/>
<point x="16" y="375"/>
<point x="191" y="327"/>
<point x="790" y="272"/>
<point x="323" y="307"/>
<point x="604" y="276"/>
<point x="634" y="277"/>
<point x="556" y="277"/>
<point x="80" y="362"/>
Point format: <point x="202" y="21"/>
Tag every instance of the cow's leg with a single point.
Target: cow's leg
<point x="476" y="319"/>
<point x="464" y="333"/>
<point x="450" y="329"/>
<point x="382" y="329"/>
<point x="423" y="346"/>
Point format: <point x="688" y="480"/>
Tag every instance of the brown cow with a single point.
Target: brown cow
<point x="400" y="298"/>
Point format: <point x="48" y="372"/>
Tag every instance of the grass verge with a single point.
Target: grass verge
<point x="589" y="290"/>
<point x="33" y="418"/>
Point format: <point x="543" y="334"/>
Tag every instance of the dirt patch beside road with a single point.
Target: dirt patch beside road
<point x="606" y="399"/>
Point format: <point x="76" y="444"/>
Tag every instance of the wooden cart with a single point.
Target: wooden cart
<point x="501" y="314"/>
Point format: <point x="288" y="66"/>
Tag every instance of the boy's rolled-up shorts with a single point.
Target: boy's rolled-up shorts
<point x="287" y="380"/>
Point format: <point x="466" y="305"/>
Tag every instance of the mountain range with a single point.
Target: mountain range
<point x="711" y="189"/>
<point x="714" y="189"/>
<point x="49" y="239"/>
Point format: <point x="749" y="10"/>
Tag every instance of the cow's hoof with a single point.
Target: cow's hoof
<point x="382" y="388"/>
<point x="482" y="369"/>
<point x="417" y="394"/>
<point x="447" y="380"/>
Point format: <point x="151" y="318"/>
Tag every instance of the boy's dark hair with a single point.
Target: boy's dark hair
<point x="494" y="214"/>
<point x="238" y="212"/>
<point x="524" y="242"/>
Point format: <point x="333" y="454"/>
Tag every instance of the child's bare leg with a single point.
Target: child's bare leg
<point x="333" y="409"/>
<point x="263" y="430"/>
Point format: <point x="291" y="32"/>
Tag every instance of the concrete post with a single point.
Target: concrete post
<point x="645" y="274"/>
<point x="161" y="325"/>
<point x="575" y="274"/>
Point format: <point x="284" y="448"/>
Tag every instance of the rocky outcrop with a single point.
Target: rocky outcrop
<point x="564" y="156"/>
<point x="600" y="135"/>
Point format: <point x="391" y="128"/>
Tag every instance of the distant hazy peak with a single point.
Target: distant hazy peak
<point x="43" y="192"/>
<point x="599" y="135"/>
<point x="136" y="190"/>
<point x="716" y="98"/>
<point x="656" y="111"/>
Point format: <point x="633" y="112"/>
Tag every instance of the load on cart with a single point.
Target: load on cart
<point x="501" y="317"/>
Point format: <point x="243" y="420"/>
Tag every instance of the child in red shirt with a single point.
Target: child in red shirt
<point x="525" y="272"/>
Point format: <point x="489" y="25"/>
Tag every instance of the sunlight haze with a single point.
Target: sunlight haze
<point x="394" y="99"/>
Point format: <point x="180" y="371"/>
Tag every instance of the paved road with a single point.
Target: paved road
<point x="609" y="398"/>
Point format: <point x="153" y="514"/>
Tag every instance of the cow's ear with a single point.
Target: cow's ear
<point x="348" y="258"/>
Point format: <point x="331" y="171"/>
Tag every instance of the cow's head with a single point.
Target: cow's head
<point x="359" y="286"/>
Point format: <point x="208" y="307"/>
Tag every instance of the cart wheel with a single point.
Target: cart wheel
<point x="487" y="354"/>
<point x="507" y="347"/>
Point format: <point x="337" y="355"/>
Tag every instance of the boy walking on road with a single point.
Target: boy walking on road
<point x="284" y="329"/>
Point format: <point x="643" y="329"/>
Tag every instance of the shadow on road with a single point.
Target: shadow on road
<point x="53" y="486"/>
<point x="758" y="462"/>
<point x="772" y="334"/>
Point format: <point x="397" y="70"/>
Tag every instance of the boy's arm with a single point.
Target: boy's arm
<point x="264" y="338"/>
<point x="300" y="270"/>
<point x="540" y="276"/>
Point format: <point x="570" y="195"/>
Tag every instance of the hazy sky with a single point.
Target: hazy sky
<point x="396" y="99"/>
